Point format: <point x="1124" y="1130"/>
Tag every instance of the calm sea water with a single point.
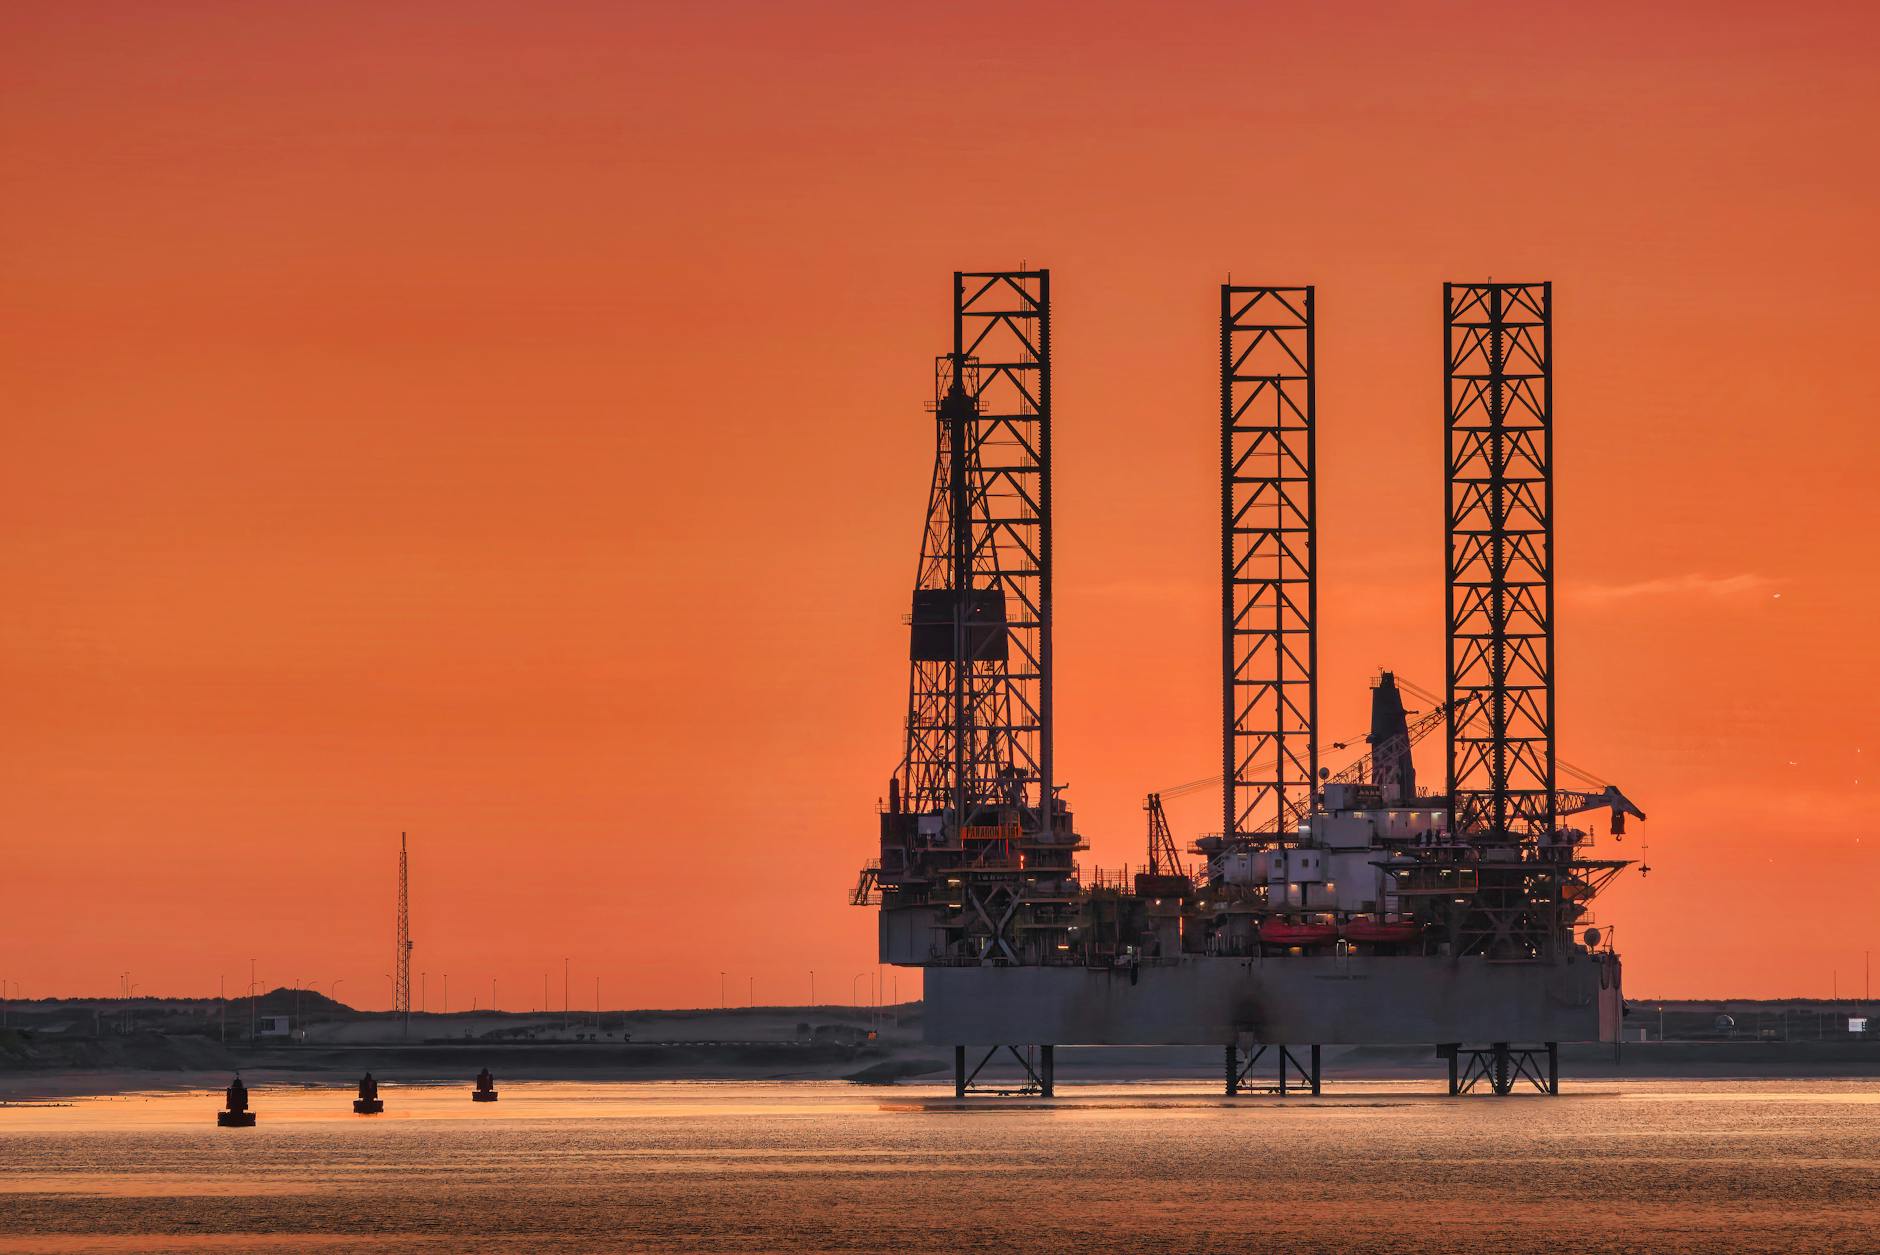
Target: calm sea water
<point x="1373" y="1166"/>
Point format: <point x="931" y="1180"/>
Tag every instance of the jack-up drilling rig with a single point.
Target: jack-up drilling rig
<point x="1349" y="907"/>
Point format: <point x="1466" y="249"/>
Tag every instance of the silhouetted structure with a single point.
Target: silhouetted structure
<point x="1269" y="543"/>
<point x="235" y="1114"/>
<point x="1498" y="447"/>
<point x="1527" y="887"/>
<point x="401" y="957"/>
<point x="1331" y="908"/>
<point x="368" y="1103"/>
<point x="974" y="831"/>
<point x="486" y="1087"/>
<point x="1393" y="767"/>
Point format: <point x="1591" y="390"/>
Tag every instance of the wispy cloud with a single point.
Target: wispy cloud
<point x="1717" y="587"/>
<point x="1143" y="589"/>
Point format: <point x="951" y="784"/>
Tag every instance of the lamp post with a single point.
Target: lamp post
<point x="855" y="999"/>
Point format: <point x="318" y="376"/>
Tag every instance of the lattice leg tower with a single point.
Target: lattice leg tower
<point x="1269" y="597"/>
<point x="1293" y="1074"/>
<point x="1038" y="1065"/>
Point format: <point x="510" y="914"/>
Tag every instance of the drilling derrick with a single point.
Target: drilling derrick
<point x="976" y="849"/>
<point x="1269" y="597"/>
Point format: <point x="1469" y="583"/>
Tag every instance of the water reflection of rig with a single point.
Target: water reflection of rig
<point x="1349" y="907"/>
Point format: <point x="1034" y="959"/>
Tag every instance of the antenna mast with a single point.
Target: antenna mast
<point x="401" y="961"/>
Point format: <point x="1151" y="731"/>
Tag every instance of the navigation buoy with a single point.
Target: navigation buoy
<point x="486" y="1088"/>
<point x="368" y="1103"/>
<point x="236" y="1115"/>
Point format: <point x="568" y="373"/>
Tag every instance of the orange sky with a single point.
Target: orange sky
<point x="503" y="422"/>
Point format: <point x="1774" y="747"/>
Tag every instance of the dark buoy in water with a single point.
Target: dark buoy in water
<point x="237" y="1116"/>
<point x="368" y="1103"/>
<point x="486" y="1088"/>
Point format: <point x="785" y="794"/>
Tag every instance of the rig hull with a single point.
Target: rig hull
<point x="1333" y="1000"/>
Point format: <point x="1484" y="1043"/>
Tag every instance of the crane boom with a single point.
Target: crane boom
<point x="1572" y="802"/>
<point x="1163" y="858"/>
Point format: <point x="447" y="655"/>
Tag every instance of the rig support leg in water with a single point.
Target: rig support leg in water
<point x="1294" y="1075"/>
<point x="1503" y="1066"/>
<point x="1040" y="1073"/>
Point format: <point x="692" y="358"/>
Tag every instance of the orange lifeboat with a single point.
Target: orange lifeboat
<point x="1279" y="932"/>
<point x="1377" y="930"/>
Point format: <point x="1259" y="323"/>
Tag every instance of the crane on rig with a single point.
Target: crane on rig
<point x="1386" y="762"/>
<point x="1572" y="802"/>
<point x="1164" y="860"/>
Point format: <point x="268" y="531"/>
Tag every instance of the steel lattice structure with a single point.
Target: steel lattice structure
<point x="979" y="709"/>
<point x="1498" y="423"/>
<point x="401" y="958"/>
<point x="1269" y="589"/>
<point x="1358" y="913"/>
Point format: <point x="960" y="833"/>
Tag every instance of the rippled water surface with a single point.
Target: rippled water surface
<point x="1379" y="1166"/>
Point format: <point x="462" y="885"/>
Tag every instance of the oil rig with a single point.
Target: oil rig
<point x="1333" y="907"/>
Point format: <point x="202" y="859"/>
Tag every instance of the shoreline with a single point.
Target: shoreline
<point x="886" y="1067"/>
<point x="53" y="1049"/>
